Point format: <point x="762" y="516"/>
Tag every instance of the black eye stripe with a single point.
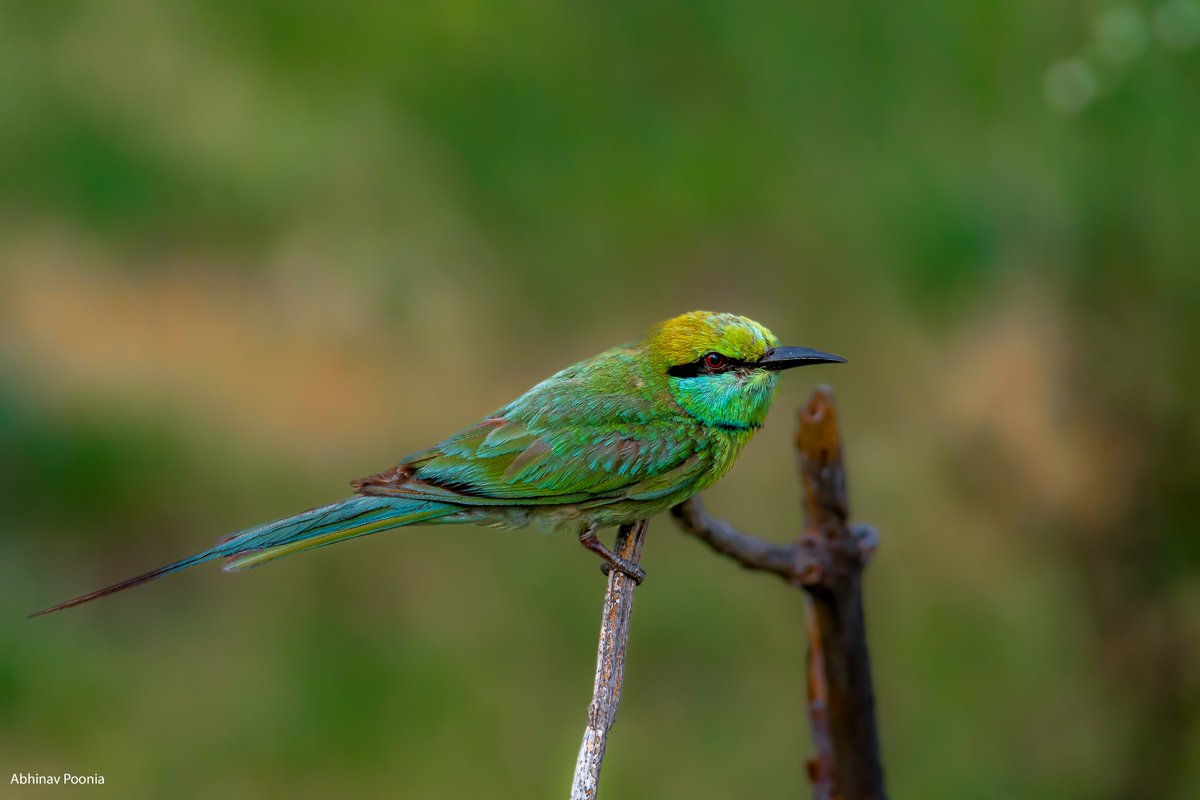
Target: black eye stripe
<point x="699" y="367"/>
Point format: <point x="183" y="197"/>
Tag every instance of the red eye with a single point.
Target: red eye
<point x="714" y="361"/>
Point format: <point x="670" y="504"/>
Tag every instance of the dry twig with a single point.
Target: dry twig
<point x="610" y="665"/>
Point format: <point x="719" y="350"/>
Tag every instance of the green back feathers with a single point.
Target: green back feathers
<point x="596" y="431"/>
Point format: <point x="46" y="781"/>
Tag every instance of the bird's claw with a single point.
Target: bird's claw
<point x="626" y="568"/>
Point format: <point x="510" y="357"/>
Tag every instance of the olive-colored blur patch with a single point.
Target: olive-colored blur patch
<point x="1005" y="386"/>
<point x="281" y="364"/>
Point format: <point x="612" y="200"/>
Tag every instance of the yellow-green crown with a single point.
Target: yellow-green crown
<point x="689" y="336"/>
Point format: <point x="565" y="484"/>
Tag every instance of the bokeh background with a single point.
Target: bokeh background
<point x="250" y="251"/>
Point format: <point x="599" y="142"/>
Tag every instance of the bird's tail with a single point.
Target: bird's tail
<point x="354" y="516"/>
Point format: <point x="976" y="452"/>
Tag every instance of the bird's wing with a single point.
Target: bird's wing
<point x="549" y="448"/>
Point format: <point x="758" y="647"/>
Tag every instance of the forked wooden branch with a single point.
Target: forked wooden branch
<point x="610" y="665"/>
<point x="826" y="561"/>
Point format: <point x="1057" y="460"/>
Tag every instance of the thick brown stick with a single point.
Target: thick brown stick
<point x="841" y="697"/>
<point x="610" y="665"/>
<point x="827" y="562"/>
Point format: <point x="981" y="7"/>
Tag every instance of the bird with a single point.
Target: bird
<point x="611" y="440"/>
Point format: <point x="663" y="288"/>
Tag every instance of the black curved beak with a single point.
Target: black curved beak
<point x="788" y="357"/>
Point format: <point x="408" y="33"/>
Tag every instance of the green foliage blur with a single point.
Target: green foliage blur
<point x="249" y="251"/>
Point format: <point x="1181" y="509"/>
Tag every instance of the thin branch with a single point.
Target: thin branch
<point x="826" y="560"/>
<point x="610" y="665"/>
<point x="786" y="561"/>
<point x="799" y="563"/>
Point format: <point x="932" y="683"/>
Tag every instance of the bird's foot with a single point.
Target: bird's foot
<point x="588" y="539"/>
<point x="625" y="567"/>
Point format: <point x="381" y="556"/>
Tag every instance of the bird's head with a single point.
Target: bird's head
<point x="722" y="368"/>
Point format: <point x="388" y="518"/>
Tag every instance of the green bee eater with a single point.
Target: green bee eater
<point x="609" y="441"/>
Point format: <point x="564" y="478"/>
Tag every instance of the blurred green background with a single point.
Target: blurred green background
<point x="250" y="251"/>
